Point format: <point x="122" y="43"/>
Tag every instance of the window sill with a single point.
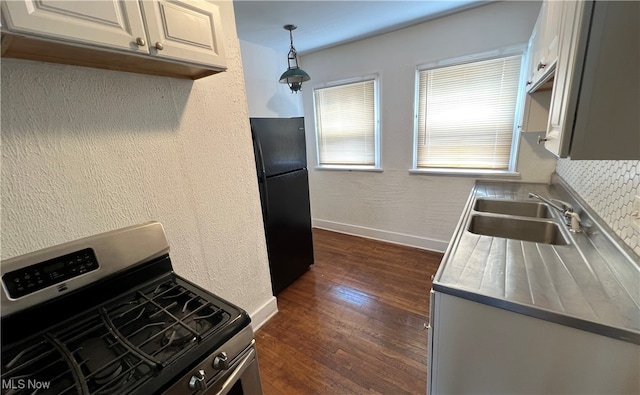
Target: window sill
<point x="349" y="168"/>
<point x="467" y="173"/>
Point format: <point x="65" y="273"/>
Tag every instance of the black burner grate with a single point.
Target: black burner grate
<point x="115" y="348"/>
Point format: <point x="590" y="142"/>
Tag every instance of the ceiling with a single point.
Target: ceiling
<point x="323" y="24"/>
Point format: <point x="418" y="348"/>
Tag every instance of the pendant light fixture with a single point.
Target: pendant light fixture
<point x="294" y="76"/>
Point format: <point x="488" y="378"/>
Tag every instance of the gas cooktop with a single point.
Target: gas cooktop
<point x="134" y="330"/>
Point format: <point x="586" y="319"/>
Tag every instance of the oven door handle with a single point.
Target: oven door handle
<point x="239" y="370"/>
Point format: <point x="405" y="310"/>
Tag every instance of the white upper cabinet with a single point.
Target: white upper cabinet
<point x="594" y="111"/>
<point x="551" y="34"/>
<point x="583" y="79"/>
<point x="567" y="81"/>
<point x="535" y="114"/>
<point x="111" y="24"/>
<point x="543" y="45"/>
<point x="185" y="30"/>
<point x="173" y="38"/>
<point x="533" y="53"/>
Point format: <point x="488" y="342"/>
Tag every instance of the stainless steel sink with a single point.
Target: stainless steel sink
<point x="513" y="207"/>
<point x="517" y="228"/>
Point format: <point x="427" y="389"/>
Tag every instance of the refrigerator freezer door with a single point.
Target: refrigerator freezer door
<point x="288" y="228"/>
<point x="282" y="144"/>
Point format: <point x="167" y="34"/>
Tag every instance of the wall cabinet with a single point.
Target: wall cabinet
<point x="542" y="57"/>
<point x="536" y="111"/>
<point x="543" y="45"/>
<point x="174" y="38"/>
<point x="594" y="107"/>
<point x="567" y="80"/>
<point x="593" y="110"/>
<point x="479" y="349"/>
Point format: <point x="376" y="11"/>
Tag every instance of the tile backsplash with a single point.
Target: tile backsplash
<point x="609" y="188"/>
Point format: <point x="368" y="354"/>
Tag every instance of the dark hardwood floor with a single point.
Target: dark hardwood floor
<point x="353" y="324"/>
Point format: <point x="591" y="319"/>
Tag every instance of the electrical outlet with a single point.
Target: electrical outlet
<point x="635" y="214"/>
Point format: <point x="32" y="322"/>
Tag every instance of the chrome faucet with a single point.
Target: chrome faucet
<point x="565" y="206"/>
<point x="572" y="219"/>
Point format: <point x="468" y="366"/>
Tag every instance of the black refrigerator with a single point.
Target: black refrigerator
<point x="281" y="162"/>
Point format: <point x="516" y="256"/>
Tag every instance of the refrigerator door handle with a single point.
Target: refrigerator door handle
<point x="262" y="177"/>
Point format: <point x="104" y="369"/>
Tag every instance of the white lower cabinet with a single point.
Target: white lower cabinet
<point x="479" y="349"/>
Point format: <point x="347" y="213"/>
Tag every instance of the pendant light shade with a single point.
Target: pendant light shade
<point x="294" y="76"/>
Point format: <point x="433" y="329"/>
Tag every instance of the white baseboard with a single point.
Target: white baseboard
<point x="382" y="235"/>
<point x="264" y="313"/>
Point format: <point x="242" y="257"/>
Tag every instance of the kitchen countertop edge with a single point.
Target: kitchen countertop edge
<point x="562" y="318"/>
<point x="544" y="314"/>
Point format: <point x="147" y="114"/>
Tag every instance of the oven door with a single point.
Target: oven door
<point x="241" y="377"/>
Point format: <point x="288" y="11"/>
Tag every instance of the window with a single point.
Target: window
<point x="465" y="116"/>
<point x="347" y="124"/>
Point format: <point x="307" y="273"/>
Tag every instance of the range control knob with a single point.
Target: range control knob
<point x="197" y="381"/>
<point x="221" y="361"/>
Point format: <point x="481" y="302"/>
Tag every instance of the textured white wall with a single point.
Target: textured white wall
<point x="267" y="97"/>
<point x="420" y="210"/>
<point x="86" y="151"/>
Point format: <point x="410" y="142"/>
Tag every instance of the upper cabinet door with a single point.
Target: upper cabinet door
<point x="551" y="38"/>
<point x="543" y="45"/>
<point x="110" y="24"/>
<point x="567" y="78"/>
<point x="185" y="30"/>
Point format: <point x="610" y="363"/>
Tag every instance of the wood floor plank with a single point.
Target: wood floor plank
<point x="353" y="324"/>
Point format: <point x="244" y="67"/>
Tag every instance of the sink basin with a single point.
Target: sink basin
<point x="513" y="207"/>
<point x="546" y="232"/>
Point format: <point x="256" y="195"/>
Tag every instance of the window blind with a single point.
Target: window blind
<point x="466" y="114"/>
<point x="346" y="124"/>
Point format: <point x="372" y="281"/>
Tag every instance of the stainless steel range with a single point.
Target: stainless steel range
<point x="107" y="315"/>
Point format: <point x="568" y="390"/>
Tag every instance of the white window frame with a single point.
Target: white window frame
<point x="376" y="167"/>
<point x="515" y="142"/>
